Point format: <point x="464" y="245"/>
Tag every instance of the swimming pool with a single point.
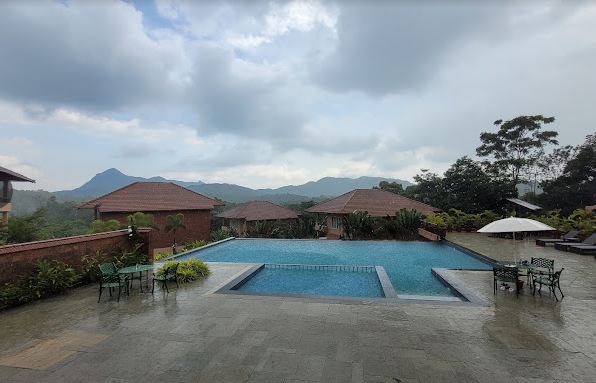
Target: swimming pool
<point x="408" y="263"/>
<point x="359" y="281"/>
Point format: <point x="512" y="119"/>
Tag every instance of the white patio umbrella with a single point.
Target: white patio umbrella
<point x="514" y="225"/>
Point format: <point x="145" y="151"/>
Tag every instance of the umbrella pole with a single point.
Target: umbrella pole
<point x="514" y="248"/>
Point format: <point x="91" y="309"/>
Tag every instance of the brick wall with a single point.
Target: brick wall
<point x="18" y="259"/>
<point x="331" y="232"/>
<point x="197" y="222"/>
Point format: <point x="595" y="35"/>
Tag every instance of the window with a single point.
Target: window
<point x="336" y="222"/>
<point x="5" y="191"/>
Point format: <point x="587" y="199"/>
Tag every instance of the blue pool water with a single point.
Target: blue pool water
<point x="314" y="282"/>
<point x="407" y="263"/>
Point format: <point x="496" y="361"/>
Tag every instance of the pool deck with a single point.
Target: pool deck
<point x="195" y="335"/>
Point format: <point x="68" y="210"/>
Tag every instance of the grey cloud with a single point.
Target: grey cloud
<point x="395" y="46"/>
<point x="228" y="103"/>
<point x="91" y="55"/>
<point x="139" y="151"/>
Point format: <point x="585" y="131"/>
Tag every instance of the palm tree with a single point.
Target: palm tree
<point x="173" y="223"/>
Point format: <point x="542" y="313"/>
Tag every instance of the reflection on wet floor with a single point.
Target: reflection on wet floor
<point x="193" y="335"/>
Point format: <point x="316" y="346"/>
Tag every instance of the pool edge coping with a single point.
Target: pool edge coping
<point x="464" y="294"/>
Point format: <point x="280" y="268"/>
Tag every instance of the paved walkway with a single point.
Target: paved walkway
<point x="193" y="335"/>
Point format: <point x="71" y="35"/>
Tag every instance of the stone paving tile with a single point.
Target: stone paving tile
<point x="193" y="335"/>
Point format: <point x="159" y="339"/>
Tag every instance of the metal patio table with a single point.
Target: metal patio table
<point x="530" y="269"/>
<point x="137" y="269"/>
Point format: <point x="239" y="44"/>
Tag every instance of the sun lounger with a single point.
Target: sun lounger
<point x="571" y="236"/>
<point x="564" y="246"/>
<point x="583" y="250"/>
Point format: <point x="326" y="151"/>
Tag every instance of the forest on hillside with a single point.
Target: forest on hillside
<point x="521" y="151"/>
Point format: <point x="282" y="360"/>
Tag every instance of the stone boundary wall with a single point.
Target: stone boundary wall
<point x="18" y="259"/>
<point x="428" y="235"/>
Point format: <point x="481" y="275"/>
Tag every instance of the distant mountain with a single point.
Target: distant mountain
<point x="113" y="179"/>
<point x="110" y="180"/>
<point x="332" y="186"/>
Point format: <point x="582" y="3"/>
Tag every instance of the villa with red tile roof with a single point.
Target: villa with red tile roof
<point x="242" y="217"/>
<point x="377" y="202"/>
<point x="8" y="176"/>
<point x="159" y="199"/>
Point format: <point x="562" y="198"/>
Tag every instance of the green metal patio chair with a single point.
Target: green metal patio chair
<point x="544" y="263"/>
<point x="110" y="279"/>
<point x="506" y="274"/>
<point x="551" y="280"/>
<point x="169" y="274"/>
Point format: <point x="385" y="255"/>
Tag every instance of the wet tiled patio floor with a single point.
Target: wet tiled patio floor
<point x="194" y="335"/>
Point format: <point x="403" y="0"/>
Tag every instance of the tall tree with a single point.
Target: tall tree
<point x="517" y="145"/>
<point x="468" y="187"/>
<point x="393" y="187"/>
<point x="174" y="223"/>
<point x="464" y="186"/>
<point x="428" y="188"/>
<point x="576" y="187"/>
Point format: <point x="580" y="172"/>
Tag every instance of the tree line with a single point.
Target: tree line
<point x="520" y="152"/>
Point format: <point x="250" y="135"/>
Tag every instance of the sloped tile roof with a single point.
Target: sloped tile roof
<point x="259" y="211"/>
<point x="151" y="196"/>
<point x="377" y="202"/>
<point x="9" y="175"/>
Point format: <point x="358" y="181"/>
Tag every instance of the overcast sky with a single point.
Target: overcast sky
<point x="265" y="94"/>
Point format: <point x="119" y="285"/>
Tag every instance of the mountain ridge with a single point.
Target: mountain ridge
<point x="112" y="179"/>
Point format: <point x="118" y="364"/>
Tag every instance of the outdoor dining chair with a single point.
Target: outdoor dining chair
<point x="169" y="274"/>
<point x="544" y="263"/>
<point x="506" y="274"/>
<point x="110" y="279"/>
<point x="552" y="281"/>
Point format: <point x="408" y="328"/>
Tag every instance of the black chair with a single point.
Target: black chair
<point x="569" y="236"/>
<point x="565" y="246"/>
<point x="506" y="274"/>
<point x="169" y="274"/>
<point x="552" y="281"/>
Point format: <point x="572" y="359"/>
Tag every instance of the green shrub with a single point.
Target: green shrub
<point x="99" y="226"/>
<point x="160" y="256"/>
<point x="407" y="223"/>
<point x="220" y="235"/>
<point x="194" y="245"/>
<point x="130" y="257"/>
<point x="189" y="270"/>
<point x="49" y="278"/>
<point x="91" y="266"/>
<point x="10" y="295"/>
<point x="441" y="220"/>
<point x="358" y="225"/>
<point x="580" y="219"/>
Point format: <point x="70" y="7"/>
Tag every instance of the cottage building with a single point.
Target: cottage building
<point x="377" y="202"/>
<point x="242" y="217"/>
<point x="159" y="199"/>
<point x="6" y="178"/>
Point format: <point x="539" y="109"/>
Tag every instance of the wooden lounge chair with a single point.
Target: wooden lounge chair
<point x="583" y="250"/>
<point x="564" y="246"/>
<point x="571" y="236"/>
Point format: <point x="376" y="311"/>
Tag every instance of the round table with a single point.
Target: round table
<point x="137" y="269"/>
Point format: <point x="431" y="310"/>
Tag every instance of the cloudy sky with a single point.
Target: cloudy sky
<point x="269" y="93"/>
